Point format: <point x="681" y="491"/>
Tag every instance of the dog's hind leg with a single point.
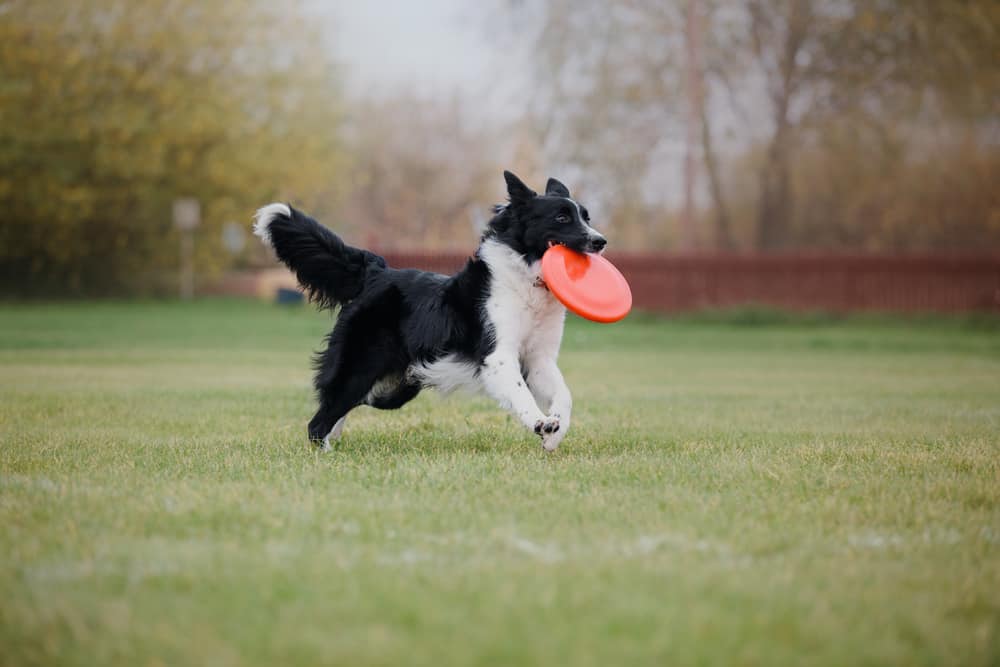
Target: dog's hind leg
<point x="322" y="425"/>
<point x="361" y="354"/>
<point x="392" y="400"/>
<point x="351" y="385"/>
<point x="336" y="401"/>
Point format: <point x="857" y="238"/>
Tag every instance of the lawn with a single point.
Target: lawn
<point x="734" y="490"/>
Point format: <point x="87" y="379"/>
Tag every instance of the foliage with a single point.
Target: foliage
<point x="111" y="109"/>
<point x="760" y="495"/>
<point x="869" y="189"/>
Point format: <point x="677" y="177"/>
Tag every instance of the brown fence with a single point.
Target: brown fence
<point x="669" y="282"/>
<point x="819" y="282"/>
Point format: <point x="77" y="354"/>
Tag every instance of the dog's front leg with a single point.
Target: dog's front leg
<point x="501" y="378"/>
<point x="547" y="384"/>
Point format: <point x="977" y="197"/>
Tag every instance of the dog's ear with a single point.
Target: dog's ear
<point x="516" y="189"/>
<point x="555" y="188"/>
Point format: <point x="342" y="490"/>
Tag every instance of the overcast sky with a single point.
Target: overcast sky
<point x="434" y="45"/>
<point x="440" y="47"/>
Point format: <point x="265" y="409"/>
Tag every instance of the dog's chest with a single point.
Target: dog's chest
<point x="522" y="311"/>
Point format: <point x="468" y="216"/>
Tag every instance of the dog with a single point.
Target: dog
<point x="492" y="327"/>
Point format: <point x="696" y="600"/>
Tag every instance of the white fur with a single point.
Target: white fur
<point x="383" y="387"/>
<point x="265" y="216"/>
<point x="338" y="428"/>
<point x="528" y="325"/>
<point x="447" y="374"/>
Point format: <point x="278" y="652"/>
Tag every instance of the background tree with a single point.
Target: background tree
<point x="110" y="109"/>
<point x="820" y="121"/>
<point x="898" y="91"/>
<point x="422" y="174"/>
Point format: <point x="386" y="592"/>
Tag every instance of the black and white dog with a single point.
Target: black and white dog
<point x="493" y="326"/>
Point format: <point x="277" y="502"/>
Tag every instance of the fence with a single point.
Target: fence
<point x="819" y="282"/>
<point x="830" y="282"/>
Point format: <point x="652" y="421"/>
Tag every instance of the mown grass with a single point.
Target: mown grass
<point x="749" y="490"/>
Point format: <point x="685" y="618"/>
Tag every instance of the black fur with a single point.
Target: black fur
<point x="392" y="319"/>
<point x="330" y="270"/>
<point x="530" y="223"/>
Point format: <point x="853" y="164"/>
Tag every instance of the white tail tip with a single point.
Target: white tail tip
<point x="266" y="215"/>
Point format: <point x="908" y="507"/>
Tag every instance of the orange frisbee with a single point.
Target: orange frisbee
<point x="587" y="284"/>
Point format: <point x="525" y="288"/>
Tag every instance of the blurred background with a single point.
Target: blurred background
<point x="832" y="154"/>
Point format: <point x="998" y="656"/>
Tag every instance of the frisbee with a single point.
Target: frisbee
<point x="587" y="284"/>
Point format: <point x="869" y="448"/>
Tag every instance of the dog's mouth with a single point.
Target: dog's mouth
<point x="582" y="248"/>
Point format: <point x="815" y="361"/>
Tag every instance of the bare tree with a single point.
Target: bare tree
<point x="779" y="32"/>
<point x="642" y="95"/>
<point x="420" y="172"/>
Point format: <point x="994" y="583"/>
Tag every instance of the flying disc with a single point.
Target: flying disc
<point x="587" y="284"/>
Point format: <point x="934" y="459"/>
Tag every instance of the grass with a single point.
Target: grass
<point x="757" y="491"/>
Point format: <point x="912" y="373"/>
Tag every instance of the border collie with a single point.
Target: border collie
<point x="492" y="327"/>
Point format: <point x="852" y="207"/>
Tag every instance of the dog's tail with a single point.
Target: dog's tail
<point x="331" y="271"/>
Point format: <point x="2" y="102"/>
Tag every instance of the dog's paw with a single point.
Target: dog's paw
<point x="320" y="444"/>
<point x="546" y="426"/>
<point x="550" y="431"/>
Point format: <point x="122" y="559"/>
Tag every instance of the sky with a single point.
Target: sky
<point x="447" y="48"/>
<point x="434" y="45"/>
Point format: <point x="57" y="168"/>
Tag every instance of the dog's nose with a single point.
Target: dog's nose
<point x="598" y="243"/>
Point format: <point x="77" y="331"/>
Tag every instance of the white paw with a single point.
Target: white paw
<point x="551" y="442"/>
<point x="334" y="434"/>
<point x="550" y="431"/>
<point x="338" y="428"/>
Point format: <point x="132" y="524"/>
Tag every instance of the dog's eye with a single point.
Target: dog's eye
<point x="585" y="213"/>
<point x="562" y="218"/>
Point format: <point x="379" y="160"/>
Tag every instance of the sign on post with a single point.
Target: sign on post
<point x="234" y="237"/>
<point x="187" y="214"/>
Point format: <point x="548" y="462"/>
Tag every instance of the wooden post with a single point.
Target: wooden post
<point x="187" y="216"/>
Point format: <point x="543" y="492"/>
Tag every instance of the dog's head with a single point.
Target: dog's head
<point x="531" y="222"/>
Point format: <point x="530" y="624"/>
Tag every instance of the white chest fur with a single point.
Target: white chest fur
<point x="526" y="318"/>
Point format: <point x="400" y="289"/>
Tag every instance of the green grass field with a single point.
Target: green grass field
<point x="733" y="491"/>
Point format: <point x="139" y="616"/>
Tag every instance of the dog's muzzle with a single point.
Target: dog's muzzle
<point x="596" y="243"/>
